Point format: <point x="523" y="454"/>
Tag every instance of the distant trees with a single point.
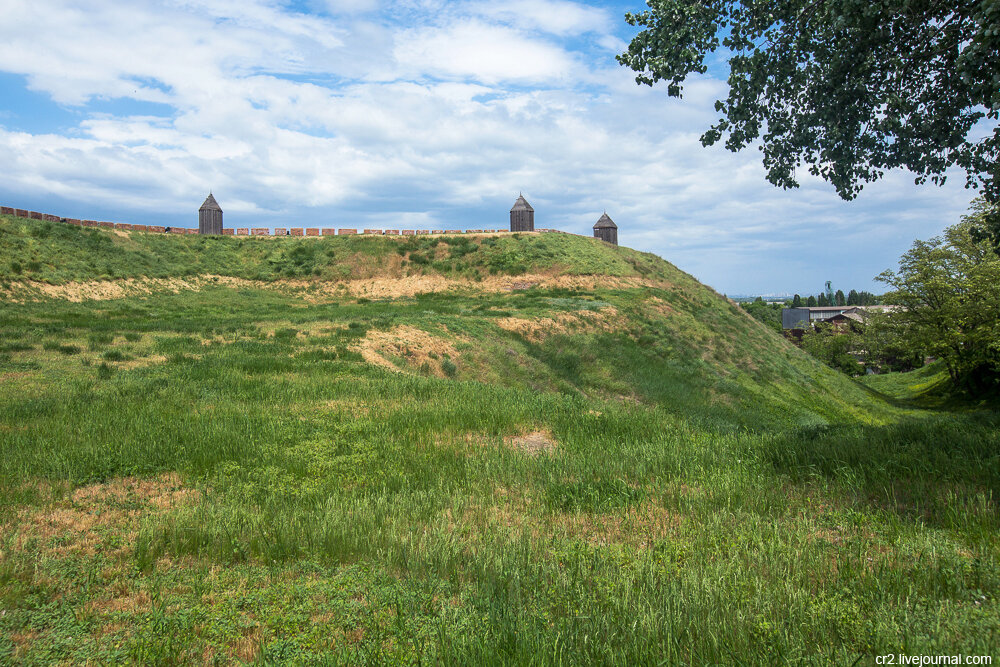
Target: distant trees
<point x="768" y="313"/>
<point x="949" y="292"/>
<point x="853" y="298"/>
<point x="833" y="348"/>
<point x="811" y="301"/>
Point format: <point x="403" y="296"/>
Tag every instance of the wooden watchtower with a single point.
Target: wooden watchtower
<point x="210" y="217"/>
<point x="522" y="216"/>
<point x="606" y="229"/>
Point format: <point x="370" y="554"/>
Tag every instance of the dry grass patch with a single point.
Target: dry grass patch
<point x="414" y="345"/>
<point x="86" y="518"/>
<point x="541" y="328"/>
<point x="533" y="443"/>
<point x="139" y="362"/>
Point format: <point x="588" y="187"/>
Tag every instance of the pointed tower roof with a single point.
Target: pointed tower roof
<point x="521" y="204"/>
<point x="210" y="204"/>
<point x="605" y="222"/>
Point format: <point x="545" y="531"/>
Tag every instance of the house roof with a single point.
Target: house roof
<point x="823" y="309"/>
<point x="605" y="222"/>
<point x="521" y="204"/>
<point x="210" y="204"/>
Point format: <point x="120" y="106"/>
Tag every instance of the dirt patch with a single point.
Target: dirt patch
<point x="533" y="443"/>
<point x="541" y="328"/>
<point x="312" y="291"/>
<point x="103" y="290"/>
<point x="418" y="348"/>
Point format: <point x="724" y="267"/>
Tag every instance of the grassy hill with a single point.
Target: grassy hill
<point x="468" y="449"/>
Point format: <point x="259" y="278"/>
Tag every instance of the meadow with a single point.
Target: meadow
<point x="282" y="471"/>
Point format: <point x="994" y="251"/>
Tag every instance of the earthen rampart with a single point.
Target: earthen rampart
<point x="246" y="231"/>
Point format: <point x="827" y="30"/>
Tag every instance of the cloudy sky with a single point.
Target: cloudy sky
<point x="414" y="114"/>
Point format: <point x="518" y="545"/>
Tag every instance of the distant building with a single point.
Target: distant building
<point x="606" y="229"/>
<point x="210" y="217"/>
<point x="800" y="318"/>
<point x="522" y="216"/>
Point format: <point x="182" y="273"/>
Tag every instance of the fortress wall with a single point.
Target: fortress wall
<point x="245" y="231"/>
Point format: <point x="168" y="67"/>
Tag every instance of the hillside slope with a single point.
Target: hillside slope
<point x="551" y="312"/>
<point x="534" y="449"/>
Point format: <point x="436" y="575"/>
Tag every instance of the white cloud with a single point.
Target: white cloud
<point x="475" y="50"/>
<point x="558" y="17"/>
<point x="424" y="112"/>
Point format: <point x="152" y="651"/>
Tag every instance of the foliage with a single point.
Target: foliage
<point x="851" y="89"/>
<point x="833" y="347"/>
<point x="767" y="313"/>
<point x="948" y="289"/>
<point x="885" y="343"/>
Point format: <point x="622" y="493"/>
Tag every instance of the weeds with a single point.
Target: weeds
<point x="229" y="481"/>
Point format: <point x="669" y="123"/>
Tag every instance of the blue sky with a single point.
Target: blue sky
<point x="414" y="114"/>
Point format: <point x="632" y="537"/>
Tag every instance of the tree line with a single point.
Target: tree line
<point x="853" y="298"/>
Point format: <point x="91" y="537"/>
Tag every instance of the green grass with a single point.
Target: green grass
<point x="57" y="253"/>
<point x="219" y="476"/>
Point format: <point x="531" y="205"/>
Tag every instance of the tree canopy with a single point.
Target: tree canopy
<point x="949" y="292"/>
<point x="850" y="88"/>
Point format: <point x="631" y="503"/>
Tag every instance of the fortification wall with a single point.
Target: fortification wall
<point x="246" y="231"/>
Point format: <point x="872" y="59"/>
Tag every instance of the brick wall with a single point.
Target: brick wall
<point x="312" y="231"/>
<point x="6" y="210"/>
<point x="242" y="231"/>
<point x="158" y="229"/>
<point x="280" y="231"/>
<point x="298" y="231"/>
<point x="327" y="231"/>
<point x="260" y="231"/>
<point x="373" y="231"/>
<point x="228" y="232"/>
<point x="347" y="231"/>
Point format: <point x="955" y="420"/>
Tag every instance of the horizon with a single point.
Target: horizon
<point x="356" y="113"/>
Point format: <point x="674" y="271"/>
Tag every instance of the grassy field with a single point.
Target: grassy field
<point x="575" y="470"/>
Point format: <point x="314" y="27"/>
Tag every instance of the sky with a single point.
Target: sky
<point x="419" y="114"/>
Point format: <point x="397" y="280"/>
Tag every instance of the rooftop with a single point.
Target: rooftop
<point x="521" y="204"/>
<point x="605" y="222"/>
<point x="210" y="204"/>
